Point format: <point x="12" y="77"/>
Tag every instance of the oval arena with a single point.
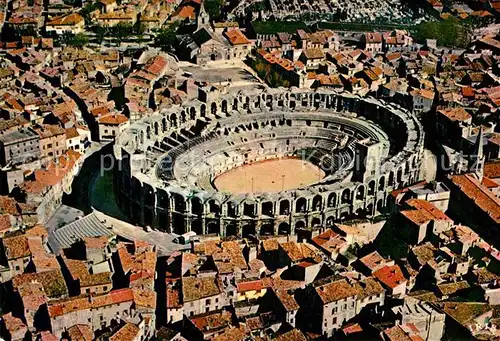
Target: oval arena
<point x="269" y="162"/>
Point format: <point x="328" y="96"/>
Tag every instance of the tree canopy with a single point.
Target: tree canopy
<point x="449" y="33"/>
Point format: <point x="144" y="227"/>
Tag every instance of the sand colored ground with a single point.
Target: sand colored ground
<point x="269" y="176"/>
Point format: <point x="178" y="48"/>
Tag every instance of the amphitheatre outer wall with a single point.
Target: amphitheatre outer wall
<point x="177" y="195"/>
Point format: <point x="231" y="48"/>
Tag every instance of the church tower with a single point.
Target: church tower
<point x="476" y="159"/>
<point x="203" y="19"/>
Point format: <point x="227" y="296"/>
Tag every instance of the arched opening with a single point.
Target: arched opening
<point x="283" y="229"/>
<point x="148" y="132"/>
<point x="231" y="210"/>
<point x="203" y="110"/>
<point x="371" y="187"/>
<point x="224" y="106"/>
<point x="231" y="230"/>
<point x="179" y="203"/>
<point x="301" y="205"/>
<point x="400" y="175"/>
<point x="157" y="128"/>
<point x="183" y="116"/>
<point x="213" y="207"/>
<point x="196" y="206"/>
<point x="267" y="230"/>
<point x="380" y="205"/>
<point x="267" y="208"/>
<point x="213" y="108"/>
<point x="213" y="227"/>
<point x="249" y="209"/>
<point x="317" y="203"/>
<point x="173" y="120"/>
<point x="192" y="114"/>
<point x="381" y="183"/>
<point x="329" y="221"/>
<point x="284" y="207"/>
<point x="315" y="222"/>
<point x="299" y="225"/>
<point x="391" y="178"/>
<point x="248" y="230"/>
<point x="164" y="125"/>
<point x="235" y="104"/>
<point x="162" y="199"/>
<point x="360" y="193"/>
<point x="332" y="200"/>
<point x="346" y="196"/>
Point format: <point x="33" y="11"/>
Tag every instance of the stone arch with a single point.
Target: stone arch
<point x="329" y="221"/>
<point x="183" y="116"/>
<point x="284" y="207"/>
<point x="299" y="225"/>
<point x="192" y="113"/>
<point x="391" y="178"/>
<point x="284" y="229"/>
<point x="332" y="199"/>
<point x="267" y="229"/>
<point x="213" y="108"/>
<point x="301" y="205"/>
<point x="213" y="227"/>
<point x="381" y="183"/>
<point x="196" y="206"/>
<point x="267" y="208"/>
<point x="235" y="103"/>
<point x="164" y="124"/>
<point x="224" y="106"/>
<point x="231" y="230"/>
<point x="203" y="110"/>
<point x="157" y="128"/>
<point x="231" y="209"/>
<point x="148" y="194"/>
<point x="162" y="199"/>
<point x="316" y="222"/>
<point x="399" y="177"/>
<point x="179" y="202"/>
<point x="372" y="187"/>
<point x="317" y="203"/>
<point x="214" y="206"/>
<point x="148" y="132"/>
<point x="173" y="120"/>
<point x="360" y="192"/>
<point x="249" y="209"/>
<point x="248" y="230"/>
<point x="346" y="196"/>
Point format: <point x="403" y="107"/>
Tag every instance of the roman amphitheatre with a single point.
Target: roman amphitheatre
<point x="269" y="162"/>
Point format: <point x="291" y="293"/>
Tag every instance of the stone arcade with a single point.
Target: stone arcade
<point x="166" y="163"/>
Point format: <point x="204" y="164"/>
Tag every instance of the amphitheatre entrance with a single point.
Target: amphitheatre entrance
<point x="272" y="175"/>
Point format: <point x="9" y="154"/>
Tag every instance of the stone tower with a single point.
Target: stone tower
<point x="203" y="19"/>
<point x="476" y="159"/>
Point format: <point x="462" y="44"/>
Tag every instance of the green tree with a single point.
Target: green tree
<point x="85" y="12"/>
<point x="214" y="9"/>
<point x="449" y="33"/>
<point x="165" y="38"/>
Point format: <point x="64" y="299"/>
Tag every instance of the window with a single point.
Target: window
<point x="105" y="288"/>
<point x="216" y="300"/>
<point x="87" y="291"/>
<point x="191" y="313"/>
<point x="207" y="301"/>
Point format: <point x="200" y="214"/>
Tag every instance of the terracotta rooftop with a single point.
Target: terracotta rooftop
<point x="236" y="37"/>
<point x="479" y="194"/>
<point x="197" y="288"/>
<point x="373" y="261"/>
<point x="456" y="114"/>
<point x="391" y="276"/>
<point x="212" y="321"/>
<point x="127" y="332"/>
<point x="81" y="332"/>
<point x="115" y="119"/>
<point x="292" y="335"/>
<point x="335" y="291"/>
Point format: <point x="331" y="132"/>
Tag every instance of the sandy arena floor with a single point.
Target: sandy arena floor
<point x="269" y="176"/>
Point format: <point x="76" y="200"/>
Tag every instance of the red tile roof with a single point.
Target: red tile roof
<point x="391" y="276"/>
